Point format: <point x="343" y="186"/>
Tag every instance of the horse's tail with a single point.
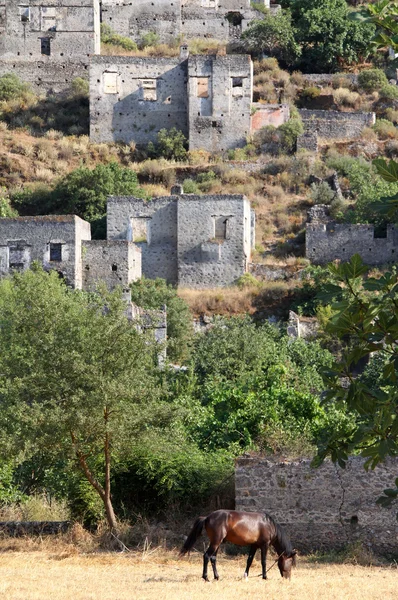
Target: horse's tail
<point x="193" y="535"/>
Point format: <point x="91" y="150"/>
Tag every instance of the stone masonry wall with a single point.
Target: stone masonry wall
<point x="205" y="260"/>
<point x="170" y="19"/>
<point x="113" y="262"/>
<point x="331" y="124"/>
<point x="132" y="98"/>
<point x="324" y="508"/>
<point x="25" y="239"/>
<point x="152" y="226"/>
<point x="193" y="241"/>
<point x="325" y="242"/>
<point x="48" y="45"/>
<point x="219" y="112"/>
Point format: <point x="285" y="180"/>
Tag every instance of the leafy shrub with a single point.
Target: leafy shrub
<point x="310" y="93"/>
<point x="289" y="133"/>
<point x="82" y="192"/>
<point x="372" y="79"/>
<point x="321" y="193"/>
<point x="108" y="36"/>
<point x="392" y="115"/>
<point x="12" y="88"/>
<point x="343" y="97"/>
<point x="80" y="88"/>
<point x="389" y="92"/>
<point x="6" y="209"/>
<point x="190" y="187"/>
<point x="339" y="80"/>
<point x="385" y="129"/>
<point x="171" y="144"/>
<point x="149" y="39"/>
<point x="247" y="280"/>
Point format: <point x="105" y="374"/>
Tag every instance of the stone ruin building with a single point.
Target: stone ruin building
<point x="324" y="508"/>
<point x="193" y="241"/>
<point x="326" y="240"/>
<point x="223" y="20"/>
<point x="47" y="43"/>
<point x="208" y="98"/>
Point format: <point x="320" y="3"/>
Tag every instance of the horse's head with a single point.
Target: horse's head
<point x="285" y="563"/>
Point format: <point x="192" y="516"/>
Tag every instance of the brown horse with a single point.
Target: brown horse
<point x="243" y="529"/>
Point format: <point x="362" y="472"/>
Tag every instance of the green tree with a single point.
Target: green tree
<point x="327" y="36"/>
<point x="171" y="144"/>
<point x="274" y="35"/>
<point x="152" y="294"/>
<point x="76" y="376"/>
<point x="366" y="312"/>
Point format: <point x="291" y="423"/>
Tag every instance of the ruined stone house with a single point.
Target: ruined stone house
<point x="208" y="98"/>
<point x="48" y="42"/>
<point x="326" y="240"/>
<point x="63" y="243"/>
<point x="192" y="241"/>
<point x="223" y="20"/>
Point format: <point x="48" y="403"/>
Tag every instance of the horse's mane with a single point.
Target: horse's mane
<point x="281" y="542"/>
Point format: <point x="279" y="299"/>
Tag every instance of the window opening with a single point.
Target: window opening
<point x="55" y="252"/>
<point x="46" y="46"/>
<point x="110" y="82"/>
<point x="220" y="228"/>
<point x="203" y="87"/>
<point x="149" y="91"/>
<point x="24" y="13"/>
<point x="140" y="229"/>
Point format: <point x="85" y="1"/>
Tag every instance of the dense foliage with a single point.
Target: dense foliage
<point x="317" y="36"/>
<point x="366" y="311"/>
<point x="153" y="294"/>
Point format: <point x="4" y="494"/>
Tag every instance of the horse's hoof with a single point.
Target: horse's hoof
<point x="245" y="576"/>
<point x="265" y="578"/>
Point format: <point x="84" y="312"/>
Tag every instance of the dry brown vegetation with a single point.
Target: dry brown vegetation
<point x="271" y="297"/>
<point x="62" y="573"/>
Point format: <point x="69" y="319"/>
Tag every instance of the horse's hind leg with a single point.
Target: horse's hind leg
<point x="213" y="560"/>
<point x="264" y="550"/>
<point x="252" y="553"/>
<point x="210" y="553"/>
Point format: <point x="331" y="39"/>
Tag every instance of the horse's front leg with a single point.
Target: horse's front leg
<point x="252" y="553"/>
<point x="264" y="550"/>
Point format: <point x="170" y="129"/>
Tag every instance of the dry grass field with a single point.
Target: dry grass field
<point x="66" y="574"/>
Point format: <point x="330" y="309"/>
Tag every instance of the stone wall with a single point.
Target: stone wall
<point x="24" y="528"/>
<point x="170" y="19"/>
<point x="208" y="98"/>
<point x="325" y="242"/>
<point x="111" y="262"/>
<point x="220" y="90"/>
<point x="152" y="226"/>
<point x="132" y="98"/>
<point x="213" y="240"/>
<point x="323" y="508"/>
<point x="46" y="45"/>
<point x="194" y="241"/>
<point x="54" y="241"/>
<point x="331" y="124"/>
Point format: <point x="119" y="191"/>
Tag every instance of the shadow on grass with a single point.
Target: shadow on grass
<point x="67" y="114"/>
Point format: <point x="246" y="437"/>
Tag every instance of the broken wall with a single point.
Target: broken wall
<point x="331" y="124"/>
<point x="111" y="262"/>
